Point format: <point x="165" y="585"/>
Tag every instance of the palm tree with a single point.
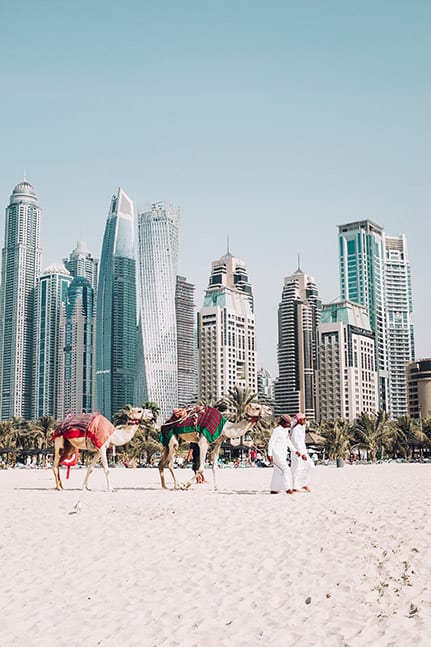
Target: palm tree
<point x="407" y="435"/>
<point x="236" y="402"/>
<point x="337" y="436"/>
<point x="372" y="432"/>
<point x="41" y="430"/>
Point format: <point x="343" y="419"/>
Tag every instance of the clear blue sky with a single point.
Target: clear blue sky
<point x="268" y="122"/>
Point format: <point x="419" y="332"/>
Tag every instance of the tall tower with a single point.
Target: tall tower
<point x="362" y="277"/>
<point x="186" y="341"/>
<point x="82" y="263"/>
<point x="298" y="318"/>
<point x="79" y="347"/>
<point x="226" y="331"/>
<point x="48" y="381"/>
<point x="116" y="310"/>
<point x="400" y="333"/>
<point x="347" y="376"/>
<point x="157" y="263"/>
<point x="21" y="262"/>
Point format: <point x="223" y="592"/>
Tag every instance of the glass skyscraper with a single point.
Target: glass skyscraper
<point x="116" y="310"/>
<point x="21" y="264"/>
<point x="157" y="263"/>
<point x="48" y="364"/>
<point x="362" y="280"/>
<point x="375" y="272"/>
<point x="79" y="347"/>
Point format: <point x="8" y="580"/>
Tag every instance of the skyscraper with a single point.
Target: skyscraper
<point x="116" y="310"/>
<point x="49" y="341"/>
<point x="79" y="347"/>
<point x="374" y="271"/>
<point x="298" y="318"/>
<point x="186" y="341"/>
<point x="157" y="266"/>
<point x="21" y="262"/>
<point x="400" y="333"/>
<point x="226" y="331"/>
<point x="82" y="263"/>
<point x="362" y="278"/>
<point x="347" y="376"/>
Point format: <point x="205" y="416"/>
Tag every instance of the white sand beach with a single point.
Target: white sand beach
<point x="347" y="565"/>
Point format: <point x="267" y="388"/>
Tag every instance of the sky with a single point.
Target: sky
<point x="268" y="123"/>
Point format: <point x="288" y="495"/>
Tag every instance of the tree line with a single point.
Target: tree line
<point x="370" y="437"/>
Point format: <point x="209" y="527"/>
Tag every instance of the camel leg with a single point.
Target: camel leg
<point x="58" y="447"/>
<point x="216" y="453"/>
<point x="167" y="461"/>
<point x="90" y="469"/>
<point x="104" y="459"/>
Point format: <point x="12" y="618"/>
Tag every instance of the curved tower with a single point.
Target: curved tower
<point x="21" y="264"/>
<point x="116" y="310"/>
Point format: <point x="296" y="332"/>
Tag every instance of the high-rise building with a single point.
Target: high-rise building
<point x="186" y="342"/>
<point x="226" y="331"/>
<point x="49" y="342"/>
<point x="82" y="263"/>
<point x="265" y="387"/>
<point x="21" y="263"/>
<point x="362" y="278"/>
<point x="347" y="376"/>
<point x="79" y="347"/>
<point x="400" y="333"/>
<point x="116" y="335"/>
<point x="419" y="388"/>
<point x="375" y="272"/>
<point x="157" y="267"/>
<point x="298" y="318"/>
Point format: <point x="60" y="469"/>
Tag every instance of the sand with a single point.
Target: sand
<point x="347" y="565"/>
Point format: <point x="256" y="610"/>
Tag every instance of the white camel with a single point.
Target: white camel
<point x="94" y="433"/>
<point x="230" y="430"/>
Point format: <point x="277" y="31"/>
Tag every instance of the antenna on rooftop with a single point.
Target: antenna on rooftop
<point x="227" y="245"/>
<point x="299" y="262"/>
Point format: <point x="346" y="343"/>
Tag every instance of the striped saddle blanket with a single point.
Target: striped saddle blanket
<point x="207" y="421"/>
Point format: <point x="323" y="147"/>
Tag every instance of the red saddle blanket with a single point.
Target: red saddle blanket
<point x="93" y="426"/>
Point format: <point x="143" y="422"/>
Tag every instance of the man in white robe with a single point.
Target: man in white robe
<point x="277" y="453"/>
<point x="301" y="463"/>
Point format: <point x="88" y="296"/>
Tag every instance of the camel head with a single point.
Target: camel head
<point x="137" y="415"/>
<point x="255" y="411"/>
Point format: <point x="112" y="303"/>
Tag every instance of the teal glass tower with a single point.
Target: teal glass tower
<point x="362" y="280"/>
<point x="116" y="335"/>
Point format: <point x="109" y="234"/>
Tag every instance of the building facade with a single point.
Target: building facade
<point x="226" y="331"/>
<point x="362" y="280"/>
<point x="79" y="347"/>
<point x="49" y="342"/>
<point x="116" y="335"/>
<point x="346" y="376"/>
<point x="157" y="269"/>
<point x="419" y="388"/>
<point x="21" y="264"/>
<point x="298" y="318"/>
<point x="186" y="342"/>
<point x="399" y="314"/>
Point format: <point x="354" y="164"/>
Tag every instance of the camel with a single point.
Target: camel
<point x="93" y="432"/>
<point x="191" y="427"/>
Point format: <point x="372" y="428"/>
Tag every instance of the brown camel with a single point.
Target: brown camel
<point x="225" y="431"/>
<point x="93" y="432"/>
